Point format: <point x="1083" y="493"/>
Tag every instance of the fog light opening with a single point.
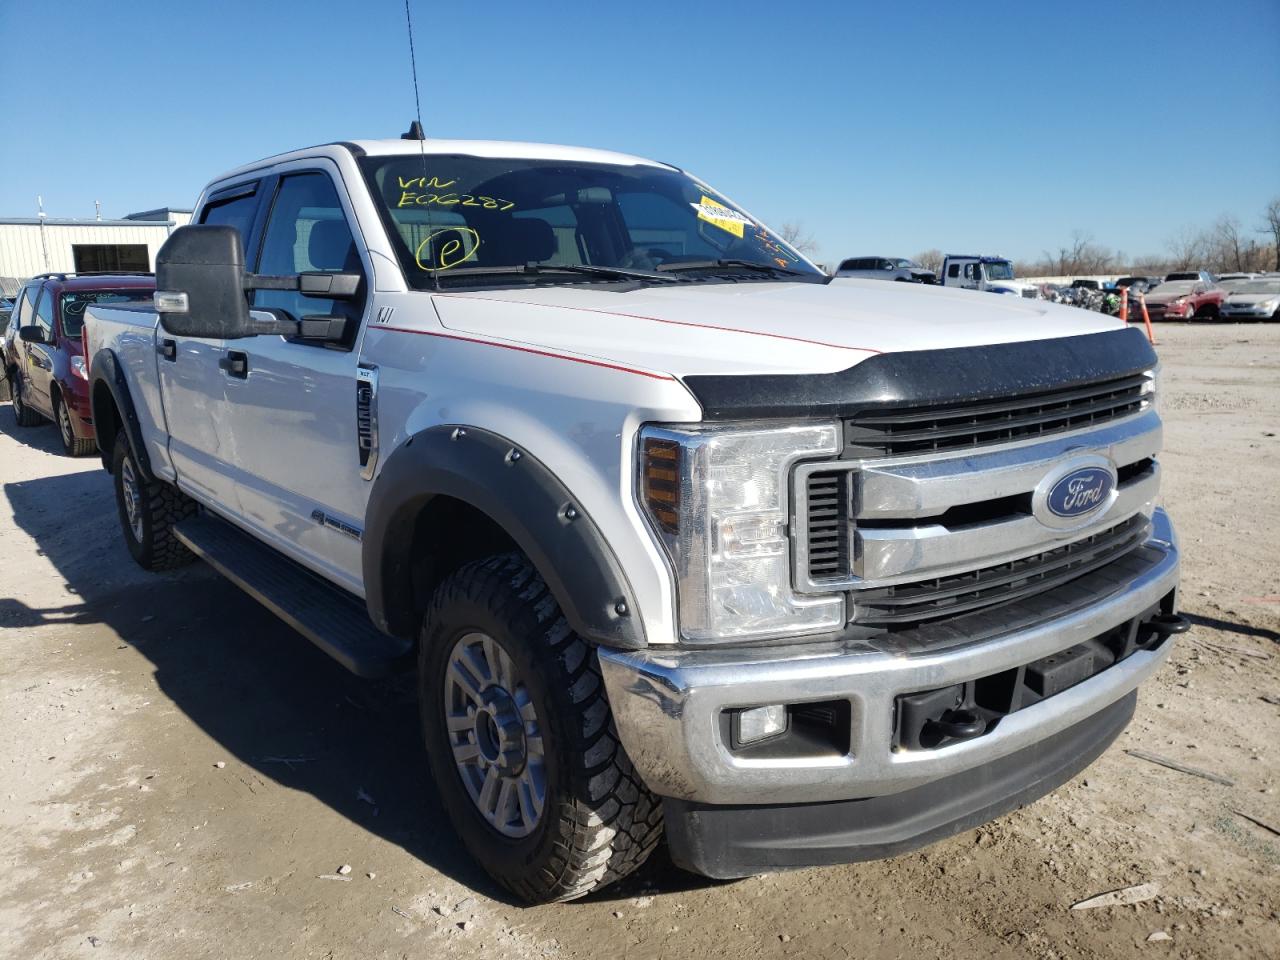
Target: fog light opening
<point x="761" y="723"/>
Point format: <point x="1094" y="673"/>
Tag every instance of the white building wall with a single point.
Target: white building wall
<point x="27" y="249"/>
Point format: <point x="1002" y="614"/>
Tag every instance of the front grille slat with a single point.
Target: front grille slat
<point x="914" y="603"/>
<point x="828" y="523"/>
<point x="917" y="430"/>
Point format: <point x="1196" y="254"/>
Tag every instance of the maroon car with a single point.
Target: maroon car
<point x="1183" y="300"/>
<point x="45" y="360"/>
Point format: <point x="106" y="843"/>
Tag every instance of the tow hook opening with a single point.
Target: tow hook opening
<point x="931" y="719"/>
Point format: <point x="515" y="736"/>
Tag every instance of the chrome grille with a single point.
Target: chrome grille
<point x="927" y="429"/>
<point x="909" y="604"/>
<point x="916" y="541"/>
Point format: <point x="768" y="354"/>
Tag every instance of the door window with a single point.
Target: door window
<point x="237" y="211"/>
<point x="26" y="306"/>
<point x="44" y="317"/>
<point x="308" y="231"/>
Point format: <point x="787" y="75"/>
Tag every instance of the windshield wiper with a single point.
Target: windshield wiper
<point x="535" y="269"/>
<point x="730" y="262"/>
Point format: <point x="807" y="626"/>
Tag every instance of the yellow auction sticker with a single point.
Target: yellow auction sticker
<point x="721" y="216"/>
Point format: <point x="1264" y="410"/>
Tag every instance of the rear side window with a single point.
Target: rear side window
<point x="953" y="270"/>
<point x="235" y="212"/>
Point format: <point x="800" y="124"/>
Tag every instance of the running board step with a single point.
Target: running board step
<point x="334" y="620"/>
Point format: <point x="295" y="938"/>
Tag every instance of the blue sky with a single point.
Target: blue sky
<point x="997" y="127"/>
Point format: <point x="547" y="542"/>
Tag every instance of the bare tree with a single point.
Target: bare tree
<point x="1227" y="248"/>
<point x="1187" y="249"/>
<point x="929" y="259"/>
<point x="795" y="234"/>
<point x="1083" y="256"/>
<point x="1271" y="225"/>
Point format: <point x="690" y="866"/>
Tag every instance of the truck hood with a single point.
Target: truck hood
<point x="756" y="326"/>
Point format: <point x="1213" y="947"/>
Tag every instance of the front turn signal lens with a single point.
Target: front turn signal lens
<point x="661" y="482"/>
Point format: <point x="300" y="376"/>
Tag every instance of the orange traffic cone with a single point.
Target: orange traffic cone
<point x="1146" y="317"/>
<point x="1124" y="304"/>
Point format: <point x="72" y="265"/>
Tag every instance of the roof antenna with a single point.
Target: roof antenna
<point x="415" y="131"/>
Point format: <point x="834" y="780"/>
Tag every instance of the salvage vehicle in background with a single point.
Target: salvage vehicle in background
<point x="993" y="274"/>
<point x="885" y="268"/>
<point x="1138" y="285"/>
<point x="1203" y="276"/>
<point x="1252" y="300"/>
<point x="6" y="314"/>
<point x="681" y="533"/>
<point x="46" y="364"/>
<point x="1184" y="300"/>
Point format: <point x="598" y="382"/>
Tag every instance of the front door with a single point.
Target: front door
<point x="39" y="359"/>
<point x="292" y="416"/>
<point x="193" y="377"/>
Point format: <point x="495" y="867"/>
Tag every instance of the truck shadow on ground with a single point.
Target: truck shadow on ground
<point x="1230" y="626"/>
<point x="267" y="696"/>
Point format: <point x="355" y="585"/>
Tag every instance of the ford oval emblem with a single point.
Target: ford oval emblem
<point x="1080" y="493"/>
<point x="1075" y="493"/>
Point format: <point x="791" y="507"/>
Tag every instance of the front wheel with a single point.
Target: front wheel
<point x="521" y="741"/>
<point x="73" y="445"/>
<point x="149" y="510"/>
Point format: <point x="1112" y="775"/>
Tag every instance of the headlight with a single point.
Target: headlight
<point x="78" y="368"/>
<point x="1152" y="389"/>
<point x="1269" y="304"/>
<point x="718" y="498"/>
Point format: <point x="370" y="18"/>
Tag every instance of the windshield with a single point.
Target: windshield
<point x="460" y="214"/>
<point x="901" y="264"/>
<point x="1257" y="286"/>
<point x="999" y="270"/>
<point x="73" y="305"/>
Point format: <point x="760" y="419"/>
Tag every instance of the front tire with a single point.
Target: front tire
<point x="73" y="445"/>
<point x="521" y="740"/>
<point x="149" y="509"/>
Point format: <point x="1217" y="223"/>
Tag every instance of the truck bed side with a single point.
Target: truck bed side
<point x="128" y="334"/>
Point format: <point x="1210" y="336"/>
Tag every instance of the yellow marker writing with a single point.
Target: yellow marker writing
<point x="448" y="254"/>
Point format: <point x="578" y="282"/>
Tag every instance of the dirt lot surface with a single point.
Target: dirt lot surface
<point x="182" y="776"/>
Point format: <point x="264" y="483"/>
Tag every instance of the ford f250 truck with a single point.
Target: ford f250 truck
<point x="680" y="536"/>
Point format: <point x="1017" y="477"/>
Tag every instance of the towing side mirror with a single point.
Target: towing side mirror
<point x="200" y="283"/>
<point x="31" y="334"/>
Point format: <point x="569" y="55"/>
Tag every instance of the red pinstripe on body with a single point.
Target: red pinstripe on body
<point x="533" y="350"/>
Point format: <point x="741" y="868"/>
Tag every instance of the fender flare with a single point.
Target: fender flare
<point x="106" y="370"/>
<point x="520" y="494"/>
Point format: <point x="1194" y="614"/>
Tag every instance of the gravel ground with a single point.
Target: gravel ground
<point x="184" y="776"/>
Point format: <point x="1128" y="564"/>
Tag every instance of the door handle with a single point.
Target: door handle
<point x="168" y="349"/>
<point x="236" y="364"/>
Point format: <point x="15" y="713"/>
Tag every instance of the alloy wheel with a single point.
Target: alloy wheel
<point x="132" y="496"/>
<point x="493" y="730"/>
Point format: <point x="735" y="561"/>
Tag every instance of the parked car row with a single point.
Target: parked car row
<point x="1183" y="295"/>
<point x="43" y="355"/>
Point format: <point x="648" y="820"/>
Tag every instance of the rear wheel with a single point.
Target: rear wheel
<point x="73" y="445"/>
<point x="24" y="415"/>
<point x="521" y="741"/>
<point x="149" y="509"/>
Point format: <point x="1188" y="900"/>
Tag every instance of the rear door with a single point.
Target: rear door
<point x="192" y="382"/>
<point x="292" y="416"/>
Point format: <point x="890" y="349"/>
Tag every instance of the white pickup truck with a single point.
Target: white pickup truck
<point x="680" y="535"/>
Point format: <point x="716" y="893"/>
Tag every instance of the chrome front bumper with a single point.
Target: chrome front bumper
<point x="667" y="705"/>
